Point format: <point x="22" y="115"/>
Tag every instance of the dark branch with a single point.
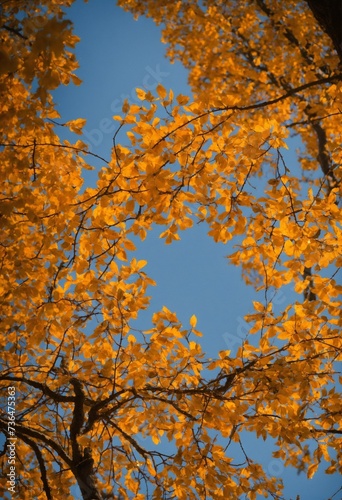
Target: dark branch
<point x="308" y="293"/>
<point x="77" y="419"/>
<point x="42" y="387"/>
<point x="86" y="477"/>
<point x="41" y="462"/>
<point x="15" y="31"/>
<point x="327" y="431"/>
<point x="83" y="463"/>
<point x="329" y="16"/>
<point x="24" y="431"/>
<point x="290" y="93"/>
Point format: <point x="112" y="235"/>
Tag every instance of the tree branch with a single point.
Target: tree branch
<point x="15" y="31"/>
<point x="42" y="387"/>
<point x="41" y="463"/>
<point x="23" y="431"/>
<point x="83" y="464"/>
<point x="328" y="13"/>
<point x="77" y="419"/>
<point x="290" y="93"/>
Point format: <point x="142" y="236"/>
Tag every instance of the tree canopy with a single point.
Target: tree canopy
<point x="86" y="384"/>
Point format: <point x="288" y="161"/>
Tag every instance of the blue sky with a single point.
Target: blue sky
<point x="116" y="55"/>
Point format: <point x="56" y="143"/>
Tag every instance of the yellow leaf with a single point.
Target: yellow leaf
<point x="107" y="368"/>
<point x="141" y="263"/>
<point x="258" y="306"/>
<point x="76" y="80"/>
<point x="76" y="125"/>
<point x="193" y="321"/>
<point x="141" y="94"/>
<point x="155" y="439"/>
<point x="312" y="469"/>
<point x="129" y="245"/>
<point x="161" y="91"/>
<point x="182" y="99"/>
<point x="125" y="106"/>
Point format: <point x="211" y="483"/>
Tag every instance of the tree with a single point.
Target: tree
<point x="84" y="385"/>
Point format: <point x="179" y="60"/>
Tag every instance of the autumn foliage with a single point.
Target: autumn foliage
<point x="88" y="385"/>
